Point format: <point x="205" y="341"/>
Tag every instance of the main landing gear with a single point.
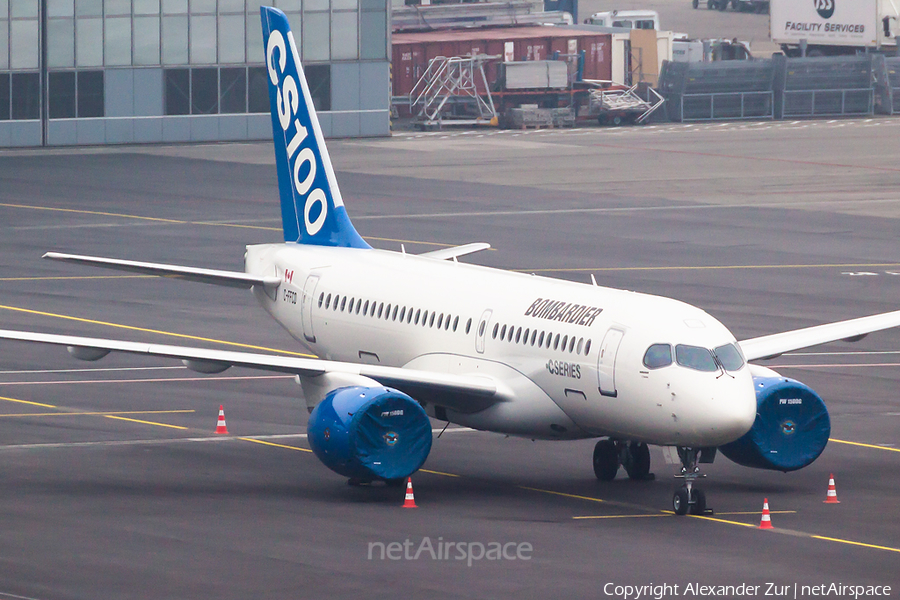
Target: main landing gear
<point x="688" y="498"/>
<point x="609" y="455"/>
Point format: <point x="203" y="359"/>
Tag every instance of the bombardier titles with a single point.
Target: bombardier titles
<point x="565" y="312"/>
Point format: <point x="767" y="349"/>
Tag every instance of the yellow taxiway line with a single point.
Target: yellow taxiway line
<point x="713" y="267"/>
<point x="264" y="443"/>
<point x="563" y="494"/>
<point x="74" y="278"/>
<point x="182" y="222"/>
<point x="93" y="414"/>
<point x="873" y="446"/>
<point x="26" y="402"/>
<point x="155" y="331"/>
<point x="144" y="422"/>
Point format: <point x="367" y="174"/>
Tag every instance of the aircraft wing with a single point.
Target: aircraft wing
<point x="457" y="251"/>
<point x="226" y="278"/>
<point x="457" y="392"/>
<point x="770" y="346"/>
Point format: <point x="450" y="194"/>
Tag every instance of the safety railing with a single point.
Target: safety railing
<point x="828" y="103"/>
<point x="726" y="105"/>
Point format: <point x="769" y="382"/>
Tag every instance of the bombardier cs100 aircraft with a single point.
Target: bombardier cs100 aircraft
<point x="497" y="351"/>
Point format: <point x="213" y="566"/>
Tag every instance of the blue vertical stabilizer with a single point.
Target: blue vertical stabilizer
<point x="312" y="210"/>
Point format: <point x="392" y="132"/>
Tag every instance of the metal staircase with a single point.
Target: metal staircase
<point x="454" y="81"/>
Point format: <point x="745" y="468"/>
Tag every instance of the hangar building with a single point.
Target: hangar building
<point x="136" y="71"/>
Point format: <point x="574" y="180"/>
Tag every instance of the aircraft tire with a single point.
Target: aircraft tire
<point x="698" y="507"/>
<point x="680" y="501"/>
<point x="606" y="460"/>
<point x="637" y="463"/>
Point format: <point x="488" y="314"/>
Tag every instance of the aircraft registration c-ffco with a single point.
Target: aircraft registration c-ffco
<point x="515" y="354"/>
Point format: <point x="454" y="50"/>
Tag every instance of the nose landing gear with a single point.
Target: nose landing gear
<point x="689" y="498"/>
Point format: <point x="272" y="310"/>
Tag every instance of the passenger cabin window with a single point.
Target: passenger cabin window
<point x="695" y="357"/>
<point x="729" y="357"/>
<point x="656" y="356"/>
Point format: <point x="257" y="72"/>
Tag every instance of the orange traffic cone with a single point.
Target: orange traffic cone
<point x="220" y="426"/>
<point x="766" y="521"/>
<point x="831" y="496"/>
<point x="410" y="501"/>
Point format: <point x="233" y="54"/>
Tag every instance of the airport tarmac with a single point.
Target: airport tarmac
<point x="115" y="486"/>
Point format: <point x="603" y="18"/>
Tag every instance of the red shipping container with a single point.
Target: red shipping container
<point x="413" y="50"/>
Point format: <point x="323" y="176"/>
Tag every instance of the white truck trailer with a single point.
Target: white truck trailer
<point x="834" y="27"/>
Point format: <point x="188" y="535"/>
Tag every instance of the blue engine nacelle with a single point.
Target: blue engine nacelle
<point x="790" y="431"/>
<point x="370" y="433"/>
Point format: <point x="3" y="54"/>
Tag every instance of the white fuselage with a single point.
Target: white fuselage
<point x="571" y="355"/>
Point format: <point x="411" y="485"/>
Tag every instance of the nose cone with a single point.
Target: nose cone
<point x="737" y="400"/>
<point x="727" y="409"/>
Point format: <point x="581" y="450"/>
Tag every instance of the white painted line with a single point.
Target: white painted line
<point x="211" y="438"/>
<point x="155" y="380"/>
<point x="851" y="353"/>
<point x="626" y="209"/>
<point x="833" y="365"/>
<point x="43" y="372"/>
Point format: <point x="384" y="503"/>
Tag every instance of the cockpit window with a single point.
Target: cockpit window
<point x="730" y="357"/>
<point x="658" y="356"/>
<point x="695" y="357"/>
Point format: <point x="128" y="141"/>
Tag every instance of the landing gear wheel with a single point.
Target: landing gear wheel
<point x="698" y="506"/>
<point x="710" y="4"/>
<point x="637" y="462"/>
<point x="723" y="4"/>
<point x="606" y="460"/>
<point x="695" y="3"/>
<point x="680" y="501"/>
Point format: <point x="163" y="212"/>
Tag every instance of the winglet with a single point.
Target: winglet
<point x="312" y="210"/>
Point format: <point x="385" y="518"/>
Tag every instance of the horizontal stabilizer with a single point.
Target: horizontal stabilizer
<point x="457" y="251"/>
<point x="769" y="346"/>
<point x="212" y="276"/>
